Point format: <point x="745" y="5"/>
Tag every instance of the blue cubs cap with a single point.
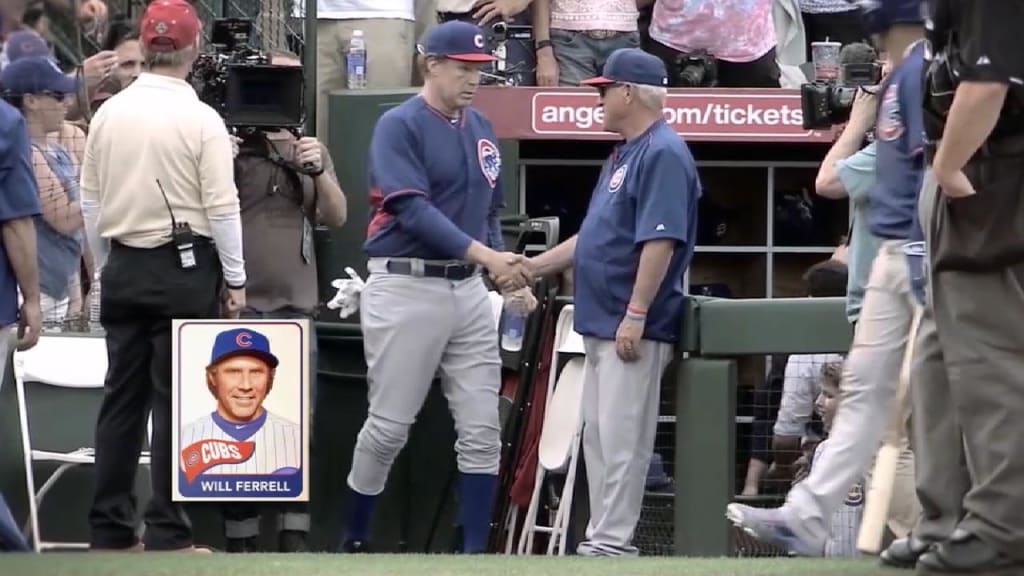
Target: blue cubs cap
<point x="23" y="44"/>
<point x="880" y="15"/>
<point x="36" y="75"/>
<point x="456" y="40"/>
<point x="631" y="65"/>
<point x="242" y="342"/>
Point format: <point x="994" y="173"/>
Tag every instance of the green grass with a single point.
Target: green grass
<point x="169" y="564"/>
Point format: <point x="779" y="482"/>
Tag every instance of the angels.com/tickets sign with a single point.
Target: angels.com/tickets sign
<point x="737" y="115"/>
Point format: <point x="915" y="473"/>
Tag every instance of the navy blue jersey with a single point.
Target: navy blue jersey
<point x="899" y="135"/>
<point x="648" y="190"/>
<point x="434" y="183"/>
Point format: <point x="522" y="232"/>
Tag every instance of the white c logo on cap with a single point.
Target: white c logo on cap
<point x="478" y="41"/>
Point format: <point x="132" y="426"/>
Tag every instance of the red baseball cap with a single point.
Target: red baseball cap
<point x="169" y="26"/>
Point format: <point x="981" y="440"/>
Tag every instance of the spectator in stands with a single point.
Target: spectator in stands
<point x="832" y="20"/>
<point x="800" y="387"/>
<point x="728" y="43"/>
<point x="573" y="38"/>
<point x="157" y="184"/>
<point x="387" y="26"/>
<point x="37" y="88"/>
<point x="517" y="60"/>
<point x="282" y="281"/>
<point x="123" y="41"/>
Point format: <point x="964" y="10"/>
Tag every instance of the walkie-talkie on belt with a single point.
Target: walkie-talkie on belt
<point x="182" y="236"/>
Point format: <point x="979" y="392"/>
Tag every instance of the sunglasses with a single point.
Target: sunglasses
<point x="604" y="88"/>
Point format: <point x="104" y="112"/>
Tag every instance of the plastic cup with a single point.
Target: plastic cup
<point x="825" y="56"/>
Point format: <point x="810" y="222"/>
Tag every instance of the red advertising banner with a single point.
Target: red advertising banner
<point x="740" y="115"/>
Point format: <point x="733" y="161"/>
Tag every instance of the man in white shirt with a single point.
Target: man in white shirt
<point x="388" y="27"/>
<point x="158" y="186"/>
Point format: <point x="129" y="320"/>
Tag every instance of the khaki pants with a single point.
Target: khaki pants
<point x="389" y="57"/>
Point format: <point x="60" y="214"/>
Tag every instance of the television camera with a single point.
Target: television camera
<point x="501" y="34"/>
<point x="825" y="103"/>
<point x="239" y="82"/>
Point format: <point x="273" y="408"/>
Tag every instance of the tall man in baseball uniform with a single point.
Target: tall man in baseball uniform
<point x="872" y="370"/>
<point x="435" y="195"/>
<point x="240" y="375"/>
<point x="628" y="260"/>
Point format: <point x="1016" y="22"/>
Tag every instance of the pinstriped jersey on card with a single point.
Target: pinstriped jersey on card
<point x="277" y="444"/>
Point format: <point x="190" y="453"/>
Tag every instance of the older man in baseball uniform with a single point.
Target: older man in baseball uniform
<point x="629" y="259"/>
<point x="240" y="375"/>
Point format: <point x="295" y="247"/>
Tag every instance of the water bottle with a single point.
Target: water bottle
<point x="94" y="303"/>
<point x="513" y="321"/>
<point x="356" y="61"/>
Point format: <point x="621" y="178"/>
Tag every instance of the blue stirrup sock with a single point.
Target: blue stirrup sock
<point x="360" y="512"/>
<point x="476" y="501"/>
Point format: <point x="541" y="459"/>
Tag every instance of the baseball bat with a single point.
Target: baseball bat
<point x="883" y="477"/>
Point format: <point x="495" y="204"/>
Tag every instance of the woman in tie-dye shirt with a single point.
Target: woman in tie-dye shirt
<point x="739" y="34"/>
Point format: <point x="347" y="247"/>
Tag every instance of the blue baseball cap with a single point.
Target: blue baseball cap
<point x="24" y="44"/>
<point x="242" y="342"/>
<point x="36" y="75"/>
<point x="633" y="66"/>
<point x="456" y="40"/>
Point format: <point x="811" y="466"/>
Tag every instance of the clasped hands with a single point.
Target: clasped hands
<point x="510" y="271"/>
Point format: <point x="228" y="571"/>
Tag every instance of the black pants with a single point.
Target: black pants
<point x="142" y="291"/>
<point x="242" y="519"/>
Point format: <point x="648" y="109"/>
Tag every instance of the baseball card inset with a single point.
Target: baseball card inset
<point x="241" y="404"/>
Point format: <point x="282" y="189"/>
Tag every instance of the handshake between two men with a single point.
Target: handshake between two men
<point x="513" y="275"/>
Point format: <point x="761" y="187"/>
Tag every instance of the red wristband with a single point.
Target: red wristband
<point x="636" y="311"/>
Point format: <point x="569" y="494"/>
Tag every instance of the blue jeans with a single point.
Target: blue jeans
<point x="580" y="56"/>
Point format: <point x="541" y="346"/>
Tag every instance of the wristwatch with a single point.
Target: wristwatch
<point x="542" y="44"/>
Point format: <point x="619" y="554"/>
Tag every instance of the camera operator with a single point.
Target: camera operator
<point x="286" y="186"/>
<point x="157" y="184"/>
<point x="974" y="122"/>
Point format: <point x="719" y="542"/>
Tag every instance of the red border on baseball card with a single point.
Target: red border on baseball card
<point x="241" y="410"/>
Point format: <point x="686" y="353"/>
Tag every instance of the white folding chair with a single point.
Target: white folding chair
<point x="75" y="365"/>
<point x="559" y="446"/>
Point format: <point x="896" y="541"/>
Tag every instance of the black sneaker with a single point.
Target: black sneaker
<point x="292" y="541"/>
<point x="241" y="545"/>
<point x="355" y="547"/>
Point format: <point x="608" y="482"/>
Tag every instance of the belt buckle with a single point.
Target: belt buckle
<point x="453" y="266"/>
<point x="600" y="34"/>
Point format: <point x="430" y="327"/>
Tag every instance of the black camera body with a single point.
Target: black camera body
<point x="239" y="82"/>
<point x="697" y="69"/>
<point x="500" y="36"/>
<point x="827" y="103"/>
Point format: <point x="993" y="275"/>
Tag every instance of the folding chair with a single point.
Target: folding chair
<point x="61" y="370"/>
<point x="559" y="447"/>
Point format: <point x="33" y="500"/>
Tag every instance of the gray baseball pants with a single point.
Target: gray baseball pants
<point x="413" y="329"/>
<point x="870" y="377"/>
<point x="620" y="418"/>
<point x="942" y="477"/>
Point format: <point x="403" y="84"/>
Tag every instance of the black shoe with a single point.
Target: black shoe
<point x="241" y="545"/>
<point x="904" y="552"/>
<point x="355" y="547"/>
<point x="291" y="541"/>
<point x="965" y="553"/>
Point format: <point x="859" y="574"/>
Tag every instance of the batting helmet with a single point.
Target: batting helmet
<point x="880" y="15"/>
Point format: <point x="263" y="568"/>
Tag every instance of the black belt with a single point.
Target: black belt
<point x="453" y="271"/>
<point x="443" y="17"/>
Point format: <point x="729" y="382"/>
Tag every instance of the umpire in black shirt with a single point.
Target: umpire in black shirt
<point x="974" y="109"/>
